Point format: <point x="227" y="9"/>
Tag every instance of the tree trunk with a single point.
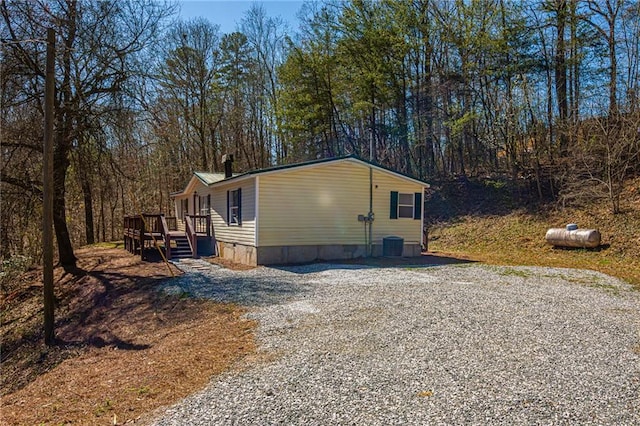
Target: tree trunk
<point x="60" y="166"/>
<point x="405" y="151"/>
<point x="576" y="62"/>
<point x="88" y="210"/>
<point x="613" y="70"/>
<point x="62" y="149"/>
<point x="103" y="218"/>
<point x="428" y="111"/>
<point x="561" y="74"/>
<point x="113" y="205"/>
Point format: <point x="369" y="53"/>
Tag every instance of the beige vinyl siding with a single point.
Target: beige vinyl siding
<point x="408" y="228"/>
<point x="176" y="212"/>
<point x="195" y="186"/>
<point x="321" y="204"/>
<point x="245" y="233"/>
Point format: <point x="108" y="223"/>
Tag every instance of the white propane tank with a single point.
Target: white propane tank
<point x="572" y="236"/>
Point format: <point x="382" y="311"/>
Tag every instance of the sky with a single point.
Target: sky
<point x="228" y="13"/>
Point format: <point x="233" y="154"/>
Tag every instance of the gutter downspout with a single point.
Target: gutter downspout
<point x="424" y="236"/>
<point x="370" y="214"/>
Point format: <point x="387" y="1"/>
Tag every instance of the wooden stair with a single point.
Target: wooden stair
<point x="182" y="250"/>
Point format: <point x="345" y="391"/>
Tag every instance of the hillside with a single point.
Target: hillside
<point x="123" y="349"/>
<point x="495" y="222"/>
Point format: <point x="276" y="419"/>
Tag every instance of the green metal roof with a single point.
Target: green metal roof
<point x="209" y="178"/>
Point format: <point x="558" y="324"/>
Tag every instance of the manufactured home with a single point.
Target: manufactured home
<point x="330" y="209"/>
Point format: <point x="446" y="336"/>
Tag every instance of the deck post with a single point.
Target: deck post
<point x="141" y="235"/>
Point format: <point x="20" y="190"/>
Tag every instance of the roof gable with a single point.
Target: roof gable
<point x="206" y="179"/>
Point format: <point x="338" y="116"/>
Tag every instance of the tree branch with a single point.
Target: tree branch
<point x="31" y="186"/>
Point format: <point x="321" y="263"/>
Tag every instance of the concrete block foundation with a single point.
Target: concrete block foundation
<point x="280" y="255"/>
<point x="238" y="253"/>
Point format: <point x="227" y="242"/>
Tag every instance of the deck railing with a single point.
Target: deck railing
<point x="133" y="225"/>
<point x="138" y="229"/>
<point x="144" y="227"/>
<point x="201" y="224"/>
<point x="172" y="223"/>
<point x="154" y="223"/>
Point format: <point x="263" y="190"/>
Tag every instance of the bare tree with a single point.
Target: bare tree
<point x="605" y="156"/>
<point x="98" y="43"/>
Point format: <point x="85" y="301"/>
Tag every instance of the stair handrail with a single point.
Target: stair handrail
<point x="192" y="237"/>
<point x="166" y="235"/>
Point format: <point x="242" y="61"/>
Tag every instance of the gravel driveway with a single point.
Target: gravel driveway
<point x="463" y="344"/>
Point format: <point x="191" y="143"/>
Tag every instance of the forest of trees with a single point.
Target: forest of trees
<point x="544" y="91"/>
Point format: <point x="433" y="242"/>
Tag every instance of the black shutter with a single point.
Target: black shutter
<point x="417" y="205"/>
<point x="208" y="204"/>
<point x="228" y="208"/>
<point x="393" y="209"/>
<point x="239" y="206"/>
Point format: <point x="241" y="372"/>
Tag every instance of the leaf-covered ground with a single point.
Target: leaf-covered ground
<point x="124" y="348"/>
<point x="498" y="235"/>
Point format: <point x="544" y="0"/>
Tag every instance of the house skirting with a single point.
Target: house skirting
<point x="238" y="253"/>
<point x="279" y="255"/>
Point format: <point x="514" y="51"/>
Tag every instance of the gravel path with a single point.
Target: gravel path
<point x="463" y="344"/>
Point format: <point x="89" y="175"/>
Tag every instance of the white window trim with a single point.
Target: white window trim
<point x="184" y="208"/>
<point x="231" y="207"/>
<point x="202" y="202"/>
<point x="412" y="205"/>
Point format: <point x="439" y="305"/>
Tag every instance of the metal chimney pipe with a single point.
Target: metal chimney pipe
<point x="227" y="160"/>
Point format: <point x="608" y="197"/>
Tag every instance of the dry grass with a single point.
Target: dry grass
<point x="517" y="238"/>
<point x="125" y="349"/>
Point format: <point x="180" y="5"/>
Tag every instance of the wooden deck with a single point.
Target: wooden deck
<point x="144" y="231"/>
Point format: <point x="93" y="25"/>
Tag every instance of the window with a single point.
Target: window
<point x="405" y="205"/>
<point x="234" y="207"/>
<point x="205" y="207"/>
<point x="184" y="208"/>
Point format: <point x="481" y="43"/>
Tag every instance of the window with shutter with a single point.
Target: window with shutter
<point x="407" y="206"/>
<point x="417" y="206"/>
<point x="393" y="208"/>
<point x="234" y="203"/>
